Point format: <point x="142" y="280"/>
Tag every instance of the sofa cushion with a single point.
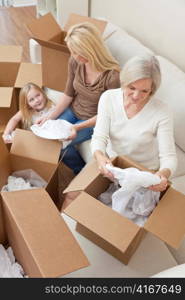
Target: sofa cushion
<point x="122" y="45"/>
<point x="53" y="94"/>
<point x="172" y="91"/>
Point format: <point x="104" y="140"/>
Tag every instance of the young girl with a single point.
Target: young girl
<point x="34" y="104"/>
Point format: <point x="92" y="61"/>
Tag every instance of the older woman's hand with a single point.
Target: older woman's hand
<point x="102" y="160"/>
<point x="161" y="186"/>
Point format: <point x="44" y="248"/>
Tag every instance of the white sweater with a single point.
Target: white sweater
<point x="147" y="138"/>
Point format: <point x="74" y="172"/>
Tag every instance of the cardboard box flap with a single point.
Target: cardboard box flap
<point x="168" y="219"/>
<point x="42" y="237"/>
<point x="76" y="19"/>
<point x="10" y="53"/>
<point x="5" y="96"/>
<point x="26" y="144"/>
<point x="81" y="181"/>
<point x="29" y="72"/>
<point x="44" y="28"/>
<point x="103" y="221"/>
<point x="54" y="45"/>
<point x="4" y="163"/>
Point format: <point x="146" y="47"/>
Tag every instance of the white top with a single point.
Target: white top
<point x="43" y="113"/>
<point x="147" y="138"/>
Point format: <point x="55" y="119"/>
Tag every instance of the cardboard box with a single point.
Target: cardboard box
<point x="13" y="76"/>
<point x="40" y="238"/>
<point x="114" y="233"/>
<point x="54" y="51"/>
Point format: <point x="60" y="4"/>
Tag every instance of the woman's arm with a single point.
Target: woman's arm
<point x="63" y="103"/>
<point x="167" y="152"/>
<point x="85" y="124"/>
<point x="11" y="125"/>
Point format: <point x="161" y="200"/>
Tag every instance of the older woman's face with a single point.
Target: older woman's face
<point x="138" y="92"/>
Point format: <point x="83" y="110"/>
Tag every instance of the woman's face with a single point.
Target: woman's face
<point x="36" y="99"/>
<point x="138" y="92"/>
<point x="78" y="57"/>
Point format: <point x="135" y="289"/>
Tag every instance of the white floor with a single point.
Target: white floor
<point x="151" y="257"/>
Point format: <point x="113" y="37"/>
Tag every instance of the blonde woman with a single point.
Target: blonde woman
<point x="33" y="104"/>
<point x="138" y="124"/>
<point x="91" y="71"/>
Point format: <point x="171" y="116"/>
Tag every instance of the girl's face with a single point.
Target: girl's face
<point x="138" y="92"/>
<point x="36" y="99"/>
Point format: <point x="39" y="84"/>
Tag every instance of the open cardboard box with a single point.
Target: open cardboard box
<point x="13" y="76"/>
<point x="54" y="51"/>
<point x="111" y="231"/>
<point x="40" y="238"/>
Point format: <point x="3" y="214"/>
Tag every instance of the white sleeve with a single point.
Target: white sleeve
<point x="166" y="144"/>
<point x="101" y="131"/>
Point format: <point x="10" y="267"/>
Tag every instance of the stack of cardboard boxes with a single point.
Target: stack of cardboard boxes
<point x="41" y="240"/>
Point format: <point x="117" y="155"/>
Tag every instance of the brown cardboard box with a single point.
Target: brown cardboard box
<point x="54" y="51"/>
<point x="40" y="239"/>
<point x="13" y="76"/>
<point x="114" y="233"/>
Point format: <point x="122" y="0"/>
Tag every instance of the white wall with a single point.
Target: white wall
<point x="24" y="2"/>
<point x="159" y="24"/>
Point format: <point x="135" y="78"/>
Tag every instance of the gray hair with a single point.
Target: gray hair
<point x="140" y="67"/>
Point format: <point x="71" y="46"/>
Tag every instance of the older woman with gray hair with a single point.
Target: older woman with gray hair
<point x="138" y="124"/>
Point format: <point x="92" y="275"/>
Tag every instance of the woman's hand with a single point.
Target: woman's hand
<point x="161" y="186"/>
<point x="102" y="160"/>
<point x="73" y="133"/>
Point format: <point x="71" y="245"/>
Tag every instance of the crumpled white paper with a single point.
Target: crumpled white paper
<point x="9" y="268"/>
<point x="53" y="129"/>
<point x="24" y="180"/>
<point x="133" y="200"/>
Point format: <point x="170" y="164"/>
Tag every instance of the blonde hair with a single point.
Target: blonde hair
<point x="140" y="67"/>
<point x="85" y="40"/>
<point x="26" y="110"/>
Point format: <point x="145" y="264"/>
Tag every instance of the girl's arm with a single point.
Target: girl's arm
<point x="11" y="125"/>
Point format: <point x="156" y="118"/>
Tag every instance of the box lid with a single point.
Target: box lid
<point x="168" y="219"/>
<point x="29" y="72"/>
<point x="53" y="45"/>
<point x="10" y="53"/>
<point x="84" y="178"/>
<point x="103" y="221"/>
<point x="76" y="19"/>
<point x="44" y="28"/>
<point x="40" y="237"/>
<point x="26" y="144"/>
<point x="6" y="96"/>
<point x="4" y="163"/>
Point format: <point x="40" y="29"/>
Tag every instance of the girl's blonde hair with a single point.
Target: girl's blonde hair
<point x="141" y="67"/>
<point x="84" y="39"/>
<point x="26" y="110"/>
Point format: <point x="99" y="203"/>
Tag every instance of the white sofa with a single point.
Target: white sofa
<point x="153" y="256"/>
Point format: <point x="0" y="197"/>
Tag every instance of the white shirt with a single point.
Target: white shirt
<point x="147" y="138"/>
<point x="43" y="113"/>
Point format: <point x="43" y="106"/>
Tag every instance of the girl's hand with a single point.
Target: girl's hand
<point x="7" y="138"/>
<point x="41" y="121"/>
<point x="161" y="186"/>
